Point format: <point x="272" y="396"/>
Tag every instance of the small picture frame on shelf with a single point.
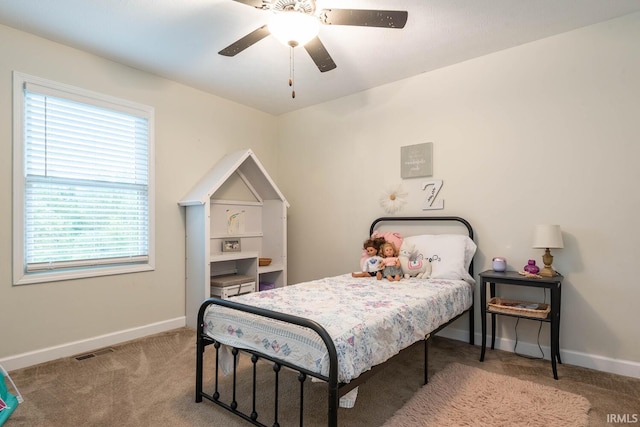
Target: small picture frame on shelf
<point x="231" y="245"/>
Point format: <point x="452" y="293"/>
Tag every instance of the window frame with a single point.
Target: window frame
<point x="20" y="274"/>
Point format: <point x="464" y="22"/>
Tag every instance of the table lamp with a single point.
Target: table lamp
<point x="547" y="237"/>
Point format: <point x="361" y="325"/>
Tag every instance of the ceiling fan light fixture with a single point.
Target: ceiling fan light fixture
<point x="293" y="28"/>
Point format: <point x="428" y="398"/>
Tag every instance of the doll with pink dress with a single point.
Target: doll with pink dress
<point x="391" y="263"/>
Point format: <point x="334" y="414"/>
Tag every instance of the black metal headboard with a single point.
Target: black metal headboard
<point x="426" y="218"/>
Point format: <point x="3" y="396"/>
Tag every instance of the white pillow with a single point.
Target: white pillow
<point x="450" y="254"/>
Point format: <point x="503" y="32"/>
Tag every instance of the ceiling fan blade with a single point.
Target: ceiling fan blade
<point x="319" y="54"/>
<point x="364" y="18"/>
<point x="253" y="37"/>
<point x="258" y="4"/>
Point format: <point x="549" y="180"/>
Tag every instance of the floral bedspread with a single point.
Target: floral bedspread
<point x="369" y="320"/>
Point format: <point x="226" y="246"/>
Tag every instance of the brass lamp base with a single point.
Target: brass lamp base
<point x="548" y="272"/>
<point x="547" y="260"/>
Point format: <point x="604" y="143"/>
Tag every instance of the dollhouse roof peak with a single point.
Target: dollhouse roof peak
<point x="244" y="164"/>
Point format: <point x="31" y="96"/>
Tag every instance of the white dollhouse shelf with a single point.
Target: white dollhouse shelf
<point x="236" y="200"/>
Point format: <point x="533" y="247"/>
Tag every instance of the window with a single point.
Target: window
<point x="83" y="183"/>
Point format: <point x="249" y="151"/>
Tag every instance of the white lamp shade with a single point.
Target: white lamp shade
<point x="548" y="236"/>
<point x="288" y="26"/>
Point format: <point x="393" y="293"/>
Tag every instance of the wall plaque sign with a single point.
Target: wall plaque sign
<point x="416" y="160"/>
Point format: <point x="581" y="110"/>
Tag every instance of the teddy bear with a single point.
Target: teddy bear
<point x="412" y="263"/>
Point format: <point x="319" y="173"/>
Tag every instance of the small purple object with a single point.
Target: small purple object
<point x="531" y="267"/>
<point x="499" y="264"/>
<point x="265" y="286"/>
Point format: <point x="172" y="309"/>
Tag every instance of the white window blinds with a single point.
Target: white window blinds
<point x="86" y="179"/>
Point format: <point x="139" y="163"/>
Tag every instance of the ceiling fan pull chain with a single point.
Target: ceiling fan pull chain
<point x="292" y="72"/>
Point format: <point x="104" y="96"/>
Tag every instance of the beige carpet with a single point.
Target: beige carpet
<point x="150" y="382"/>
<point x="461" y="395"/>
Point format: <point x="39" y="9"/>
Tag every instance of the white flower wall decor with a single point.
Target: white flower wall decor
<point x="393" y="199"/>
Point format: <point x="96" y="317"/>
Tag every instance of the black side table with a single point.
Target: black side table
<point x="514" y="278"/>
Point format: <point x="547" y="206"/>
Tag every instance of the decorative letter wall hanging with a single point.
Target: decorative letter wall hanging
<point x="433" y="187"/>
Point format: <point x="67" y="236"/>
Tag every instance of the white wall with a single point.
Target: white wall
<point x="542" y="133"/>
<point x="193" y="131"/>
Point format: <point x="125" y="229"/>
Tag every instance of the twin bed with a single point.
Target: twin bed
<point x="339" y="330"/>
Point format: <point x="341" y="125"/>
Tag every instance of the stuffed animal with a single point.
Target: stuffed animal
<point x="412" y="263"/>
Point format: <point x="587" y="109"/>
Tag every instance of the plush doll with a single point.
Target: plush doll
<point x="371" y="262"/>
<point x="412" y="263"/>
<point x="392" y="270"/>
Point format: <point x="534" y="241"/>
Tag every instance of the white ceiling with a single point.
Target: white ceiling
<point x="179" y="40"/>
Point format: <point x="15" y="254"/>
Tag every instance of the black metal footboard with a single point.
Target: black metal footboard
<point x="203" y="340"/>
<point x="334" y="389"/>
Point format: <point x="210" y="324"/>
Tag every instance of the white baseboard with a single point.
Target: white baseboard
<point x="599" y="363"/>
<point x="84" y="346"/>
<point x="585" y="360"/>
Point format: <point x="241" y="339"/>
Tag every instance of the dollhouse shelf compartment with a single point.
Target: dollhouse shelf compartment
<point x="232" y="256"/>
<point x="270" y="268"/>
<point x="235" y="236"/>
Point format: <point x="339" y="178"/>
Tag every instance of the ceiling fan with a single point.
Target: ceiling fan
<point x="307" y="8"/>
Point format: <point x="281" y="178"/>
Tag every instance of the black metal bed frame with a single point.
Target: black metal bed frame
<point x="335" y="390"/>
